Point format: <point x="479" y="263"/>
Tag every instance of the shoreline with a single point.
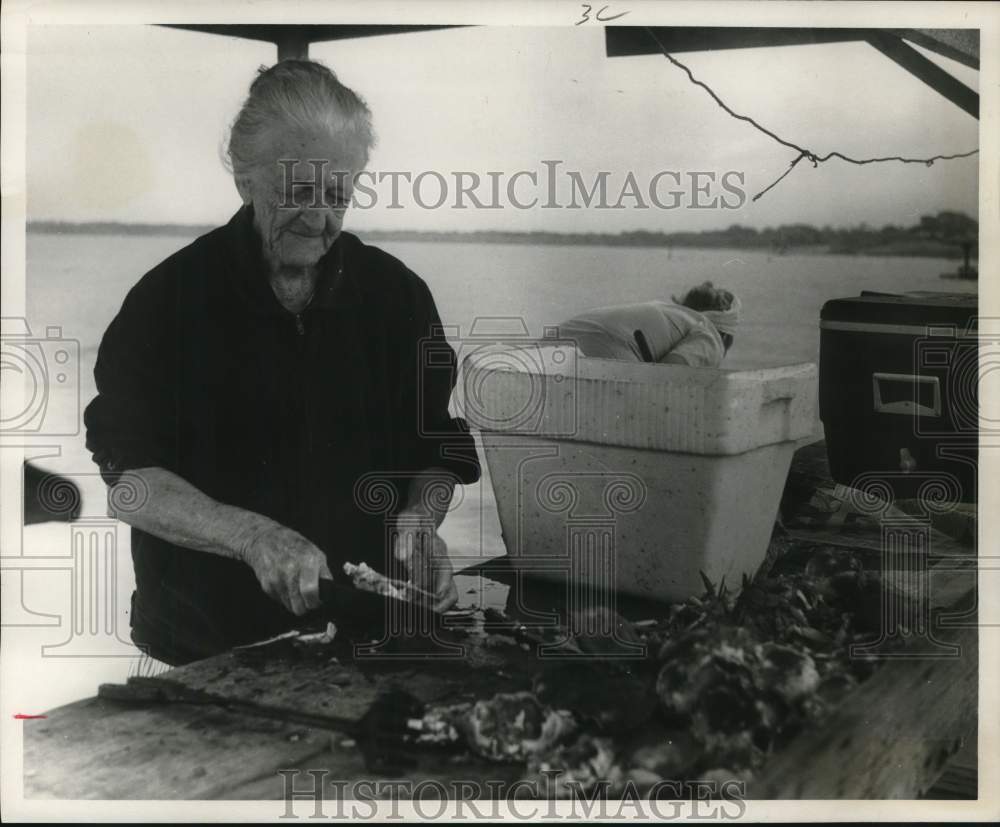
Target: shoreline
<point x="917" y="248"/>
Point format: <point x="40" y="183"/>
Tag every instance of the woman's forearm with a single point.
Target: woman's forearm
<point x="172" y="509"/>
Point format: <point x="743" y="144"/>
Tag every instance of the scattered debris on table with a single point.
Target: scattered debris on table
<point x="367" y="579"/>
<point x="726" y="679"/>
<point x="319" y="638"/>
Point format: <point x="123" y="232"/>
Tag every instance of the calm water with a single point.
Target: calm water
<point x="77" y="283"/>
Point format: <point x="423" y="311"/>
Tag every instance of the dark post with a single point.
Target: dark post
<point x="293" y="44"/>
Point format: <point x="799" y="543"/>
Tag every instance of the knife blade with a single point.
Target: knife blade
<point x="346" y="603"/>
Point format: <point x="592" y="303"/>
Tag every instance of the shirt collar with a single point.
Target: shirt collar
<point x="337" y="286"/>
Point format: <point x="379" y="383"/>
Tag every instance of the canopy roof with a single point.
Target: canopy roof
<point x="962" y="45"/>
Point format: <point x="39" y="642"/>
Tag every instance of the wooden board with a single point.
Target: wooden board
<point x="98" y="749"/>
<point x="960" y="779"/>
<point x="340" y="694"/>
<point x="112" y="750"/>
<point x="891" y="738"/>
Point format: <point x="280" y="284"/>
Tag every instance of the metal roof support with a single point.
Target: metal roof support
<point x="961" y="45"/>
<point x="927" y="71"/>
<point x="623" y="41"/>
<point x="293" y="44"/>
<point x="293" y="39"/>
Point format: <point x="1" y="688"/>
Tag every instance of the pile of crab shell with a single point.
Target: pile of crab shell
<point x="726" y="680"/>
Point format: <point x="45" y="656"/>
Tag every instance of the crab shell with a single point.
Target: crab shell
<point x="513" y="726"/>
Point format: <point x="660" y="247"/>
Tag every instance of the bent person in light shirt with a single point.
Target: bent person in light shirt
<point x="696" y="331"/>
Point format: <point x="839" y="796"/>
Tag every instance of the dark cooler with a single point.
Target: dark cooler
<point x="898" y="379"/>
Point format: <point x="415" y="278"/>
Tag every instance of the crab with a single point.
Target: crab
<point x="734" y="675"/>
<point x="513" y="726"/>
<point x="736" y="691"/>
<point x="509" y="727"/>
<point x="564" y="770"/>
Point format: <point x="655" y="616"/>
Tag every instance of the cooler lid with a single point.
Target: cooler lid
<point x="910" y="309"/>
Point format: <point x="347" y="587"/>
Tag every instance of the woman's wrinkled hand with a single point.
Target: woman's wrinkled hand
<point x="417" y="545"/>
<point x="287" y="566"/>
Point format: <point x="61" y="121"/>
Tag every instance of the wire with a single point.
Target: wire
<point x="804" y="154"/>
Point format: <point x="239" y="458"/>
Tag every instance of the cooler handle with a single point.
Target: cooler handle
<point x="906" y="406"/>
<point x="780" y="390"/>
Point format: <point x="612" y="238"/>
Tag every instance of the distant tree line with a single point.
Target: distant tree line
<point x="941" y="235"/>
<point x="117" y="228"/>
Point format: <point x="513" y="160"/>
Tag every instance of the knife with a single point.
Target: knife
<point x="348" y="605"/>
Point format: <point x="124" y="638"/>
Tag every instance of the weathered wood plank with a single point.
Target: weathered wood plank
<point x="960" y="779"/>
<point x="342" y="693"/>
<point x="890" y="738"/>
<point x="951" y="557"/>
<point x="343" y="767"/>
<point x="98" y="749"/>
<point x="338" y="693"/>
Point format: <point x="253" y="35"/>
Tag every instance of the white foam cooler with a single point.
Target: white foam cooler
<point x="634" y="477"/>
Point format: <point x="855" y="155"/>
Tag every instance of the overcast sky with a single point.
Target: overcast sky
<point x="126" y="123"/>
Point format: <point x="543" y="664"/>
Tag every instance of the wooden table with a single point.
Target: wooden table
<point x="224" y="727"/>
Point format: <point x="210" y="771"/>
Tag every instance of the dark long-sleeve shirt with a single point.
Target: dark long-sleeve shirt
<point x="205" y="374"/>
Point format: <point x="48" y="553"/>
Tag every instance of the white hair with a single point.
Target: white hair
<point x="298" y="95"/>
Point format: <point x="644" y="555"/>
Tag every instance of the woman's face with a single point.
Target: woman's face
<point x="299" y="199"/>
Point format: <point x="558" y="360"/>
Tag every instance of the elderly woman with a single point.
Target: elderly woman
<point x="253" y="379"/>
<point x="696" y="330"/>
